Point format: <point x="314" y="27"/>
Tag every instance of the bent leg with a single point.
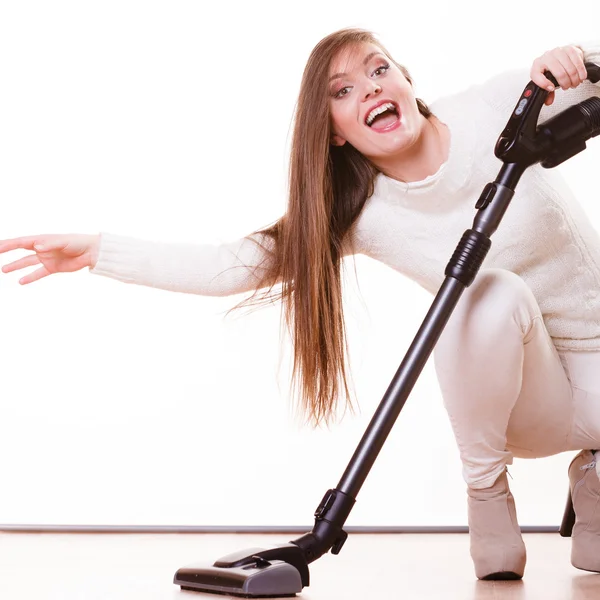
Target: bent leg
<point x="502" y="381"/>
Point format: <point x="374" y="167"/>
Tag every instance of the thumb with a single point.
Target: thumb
<point x="49" y="245"/>
<point x="44" y="246"/>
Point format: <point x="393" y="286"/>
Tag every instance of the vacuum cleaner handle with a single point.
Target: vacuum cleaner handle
<point x="593" y="72"/>
<point x="517" y="143"/>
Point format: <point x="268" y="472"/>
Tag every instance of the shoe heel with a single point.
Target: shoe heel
<point x="568" y="520"/>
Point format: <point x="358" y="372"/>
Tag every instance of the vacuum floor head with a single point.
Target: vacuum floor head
<point x="251" y="573"/>
<point x="263" y="579"/>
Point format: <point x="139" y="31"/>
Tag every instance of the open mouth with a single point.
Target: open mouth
<point x="383" y="117"/>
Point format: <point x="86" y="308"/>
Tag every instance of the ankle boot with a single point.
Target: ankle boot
<point x="585" y="493"/>
<point x="497" y="548"/>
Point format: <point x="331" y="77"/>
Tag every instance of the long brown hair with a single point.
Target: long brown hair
<point x="328" y="187"/>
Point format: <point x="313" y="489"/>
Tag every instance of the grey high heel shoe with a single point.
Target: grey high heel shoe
<point x="582" y="514"/>
<point x="497" y="548"/>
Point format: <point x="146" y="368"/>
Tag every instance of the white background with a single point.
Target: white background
<point x="170" y="120"/>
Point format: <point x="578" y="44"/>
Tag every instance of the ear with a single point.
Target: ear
<point x="336" y="140"/>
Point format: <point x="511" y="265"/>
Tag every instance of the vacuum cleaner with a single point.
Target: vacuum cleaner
<point x="282" y="570"/>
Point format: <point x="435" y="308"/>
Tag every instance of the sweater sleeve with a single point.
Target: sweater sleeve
<point x="204" y="269"/>
<point x="503" y="91"/>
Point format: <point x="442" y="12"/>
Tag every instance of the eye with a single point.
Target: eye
<point x="377" y="72"/>
<point x="341" y="92"/>
<point x="383" y="68"/>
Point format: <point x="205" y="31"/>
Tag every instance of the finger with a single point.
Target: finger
<point x="555" y="67"/>
<point x="537" y="76"/>
<point x="35" y="276"/>
<point x="561" y="66"/>
<point x="549" y="99"/>
<point x="27" y="261"/>
<point x="569" y="62"/>
<point x="576" y="56"/>
<point x="20" y="242"/>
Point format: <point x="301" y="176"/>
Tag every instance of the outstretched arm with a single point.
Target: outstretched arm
<point x="205" y="269"/>
<point x="210" y="270"/>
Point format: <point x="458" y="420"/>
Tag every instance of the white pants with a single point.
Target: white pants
<point x="507" y="390"/>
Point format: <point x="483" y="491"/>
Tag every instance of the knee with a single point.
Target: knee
<point x="497" y="307"/>
<point x="497" y="299"/>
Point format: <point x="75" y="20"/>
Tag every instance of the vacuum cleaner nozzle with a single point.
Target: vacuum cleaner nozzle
<point x="253" y="573"/>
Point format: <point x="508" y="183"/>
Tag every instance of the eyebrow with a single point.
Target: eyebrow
<point x="367" y="59"/>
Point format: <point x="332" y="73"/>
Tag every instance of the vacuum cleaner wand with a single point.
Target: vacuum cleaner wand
<point x="283" y="570"/>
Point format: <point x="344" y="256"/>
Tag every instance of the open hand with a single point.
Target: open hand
<point x="57" y="253"/>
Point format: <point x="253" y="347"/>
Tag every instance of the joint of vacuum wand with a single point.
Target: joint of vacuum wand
<point x="327" y="533"/>
<point x="468" y="256"/>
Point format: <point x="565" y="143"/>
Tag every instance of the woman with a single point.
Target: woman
<point x="374" y="170"/>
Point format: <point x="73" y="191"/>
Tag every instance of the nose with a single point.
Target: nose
<point x="372" y="89"/>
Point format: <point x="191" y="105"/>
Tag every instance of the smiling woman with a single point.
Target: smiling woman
<point x="389" y="128"/>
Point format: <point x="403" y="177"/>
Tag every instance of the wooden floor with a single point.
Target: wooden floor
<point x="53" y="566"/>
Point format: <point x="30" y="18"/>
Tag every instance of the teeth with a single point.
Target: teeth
<point x="377" y="111"/>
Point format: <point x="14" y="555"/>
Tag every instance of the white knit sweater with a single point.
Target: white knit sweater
<point x="544" y="237"/>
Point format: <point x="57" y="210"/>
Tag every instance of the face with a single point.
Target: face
<point x="364" y="78"/>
